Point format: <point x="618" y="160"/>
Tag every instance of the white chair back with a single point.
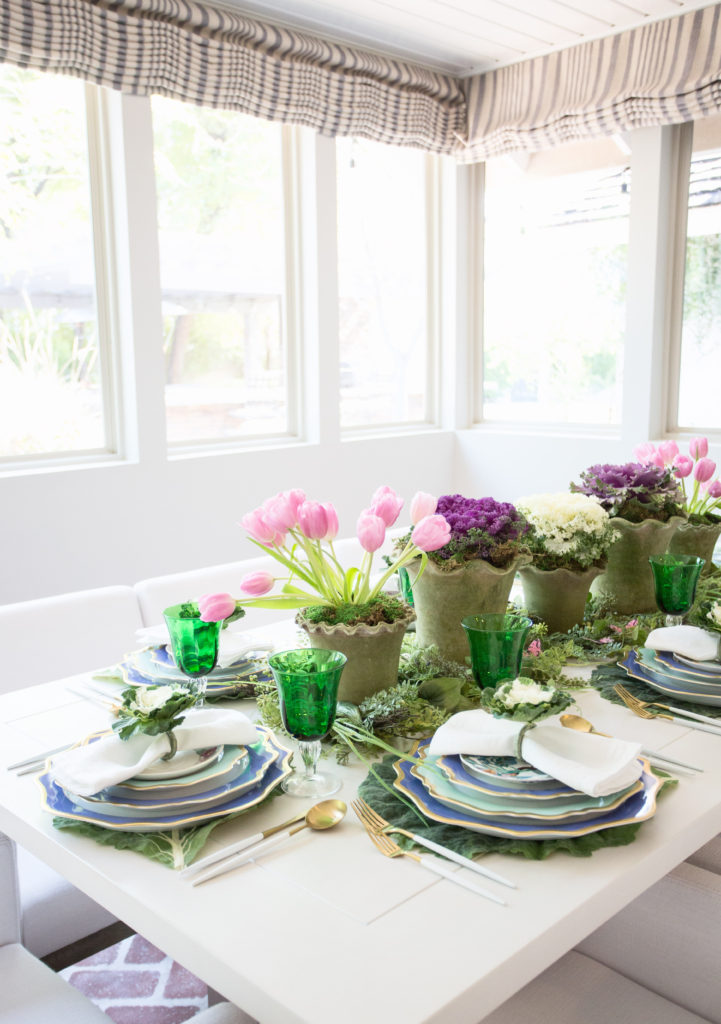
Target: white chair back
<point x="59" y="636"/>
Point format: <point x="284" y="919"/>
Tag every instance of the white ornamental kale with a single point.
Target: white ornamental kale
<point x="524" y="700"/>
<point x="566" y="529"/>
<point x="714" y="614"/>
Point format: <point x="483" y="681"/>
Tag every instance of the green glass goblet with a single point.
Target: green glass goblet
<point x="675" y="578"/>
<point x="194" y="644"/>
<point x="307" y="681"/>
<point x="497" y="643"/>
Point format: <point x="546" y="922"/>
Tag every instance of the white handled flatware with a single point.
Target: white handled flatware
<point x="692" y="714"/>
<point x="457" y="858"/>
<point x="656" y="755"/>
<point x="693" y="725"/>
<point x="242" y="844"/>
<point x="230" y="863"/>
<point x="437" y="866"/>
<point x="36" y="758"/>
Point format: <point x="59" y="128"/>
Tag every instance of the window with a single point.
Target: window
<point x="555" y="258"/>
<point x="222" y="267"/>
<point x="698" y="404"/>
<point x="51" y="398"/>
<point x="383" y="283"/>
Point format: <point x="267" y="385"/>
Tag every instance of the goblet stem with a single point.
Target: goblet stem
<point x="309" y="752"/>
<point x="674" y="620"/>
<point x="201" y="683"/>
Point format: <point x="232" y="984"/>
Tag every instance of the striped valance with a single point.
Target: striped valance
<point x="664" y="73"/>
<point x="218" y="58"/>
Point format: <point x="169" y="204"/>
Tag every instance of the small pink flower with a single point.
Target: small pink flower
<point x="431" y="533"/>
<point x="668" y="450"/>
<point x="607" y="639"/>
<point x="644" y="452"/>
<point x="279" y="513"/>
<point x="313" y="520"/>
<point x="631" y="624"/>
<point x="422" y="505"/>
<point x="704" y="470"/>
<point x="259" y="529"/>
<point x="682" y="465"/>
<point x="257" y="583"/>
<point x="332" y="530"/>
<point x="714" y="489"/>
<point x="371" y="531"/>
<point x="216" y="607"/>
<point x="698" y="446"/>
<point x="534" y="648"/>
<point x="387" y="504"/>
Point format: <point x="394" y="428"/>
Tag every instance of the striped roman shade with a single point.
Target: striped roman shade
<point x="216" y="58"/>
<point x="664" y="73"/>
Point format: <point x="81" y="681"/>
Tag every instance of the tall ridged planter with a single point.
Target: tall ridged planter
<point x="627" y="582"/>
<point x="373" y="653"/>
<point x="557" y="596"/>
<point x="699" y="540"/>
<point x="442" y="599"/>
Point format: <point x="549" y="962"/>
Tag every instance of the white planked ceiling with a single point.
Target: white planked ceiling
<point x="463" y="37"/>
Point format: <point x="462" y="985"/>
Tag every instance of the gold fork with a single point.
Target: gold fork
<point x="390" y="848"/>
<point x="371" y="819"/>
<point x="636" y="703"/>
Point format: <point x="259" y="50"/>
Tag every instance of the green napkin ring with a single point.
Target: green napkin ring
<point x="521" y="737"/>
<point x="173" y="746"/>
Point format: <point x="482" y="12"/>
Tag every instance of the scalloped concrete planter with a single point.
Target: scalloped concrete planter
<point x="628" y="581"/>
<point x="442" y="599"/>
<point x="699" y="540"/>
<point x="557" y="596"/>
<point x="373" y="653"/>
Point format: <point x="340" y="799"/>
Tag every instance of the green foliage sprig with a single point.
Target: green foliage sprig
<point x="153" y="709"/>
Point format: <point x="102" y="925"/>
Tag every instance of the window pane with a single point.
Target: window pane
<point x="222" y="267"/>
<point x="701" y="333"/>
<point x="382" y="282"/>
<point x="50" y="397"/>
<point x="555" y="287"/>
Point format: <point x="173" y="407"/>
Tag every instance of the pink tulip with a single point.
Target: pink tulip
<point x="371" y="531"/>
<point x="431" y="533"/>
<point x="216" y="607"/>
<point x="422" y="505"/>
<point x="257" y="583"/>
<point x="714" y="489"/>
<point x="259" y="529"/>
<point x="668" y="450"/>
<point x="704" y="470"/>
<point x="644" y="452"/>
<point x="698" y="446"/>
<point x="313" y="520"/>
<point x="332" y="516"/>
<point x="296" y="499"/>
<point x="279" y="513"/>
<point x="682" y="465"/>
<point x="657" y="460"/>
<point x="387" y="504"/>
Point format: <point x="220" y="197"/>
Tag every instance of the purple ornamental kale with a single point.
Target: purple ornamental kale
<point x="480" y="528"/>
<point x="632" y="490"/>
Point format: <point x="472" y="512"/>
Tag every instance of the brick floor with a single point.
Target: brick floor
<point x="134" y="982"/>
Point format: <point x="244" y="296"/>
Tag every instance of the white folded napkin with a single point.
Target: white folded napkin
<point x="595" y="765"/>
<point x="689" y="641"/>
<point x="88" y="769"/>
<point x="231" y="647"/>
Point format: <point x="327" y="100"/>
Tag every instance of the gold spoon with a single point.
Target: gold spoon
<point x="319" y="817"/>
<point x="583" y="725"/>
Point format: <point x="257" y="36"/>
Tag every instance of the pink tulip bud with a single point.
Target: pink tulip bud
<point x="279" y="513"/>
<point x="332" y="516"/>
<point x="313" y="520"/>
<point x="386" y="504"/>
<point x="644" y="452"/>
<point x="668" y="450"/>
<point x="704" y="470"/>
<point x="682" y="465"/>
<point x="257" y="583"/>
<point x="259" y="529"/>
<point x="698" y="446"/>
<point x="714" y="489"/>
<point x="371" y="531"/>
<point x="422" y="505"/>
<point x="431" y="533"/>
<point x="296" y="499"/>
<point x="216" y="607"/>
<point x="657" y="460"/>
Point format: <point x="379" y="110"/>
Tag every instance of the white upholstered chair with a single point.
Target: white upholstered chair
<point x="43" y="640"/>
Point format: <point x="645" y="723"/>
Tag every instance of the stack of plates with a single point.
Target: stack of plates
<point x="155" y="665"/>
<point x="675" y="676"/>
<point x="199" y="786"/>
<point x="505" y="797"/>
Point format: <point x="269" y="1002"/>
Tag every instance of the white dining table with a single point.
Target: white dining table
<point x="325" y="928"/>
